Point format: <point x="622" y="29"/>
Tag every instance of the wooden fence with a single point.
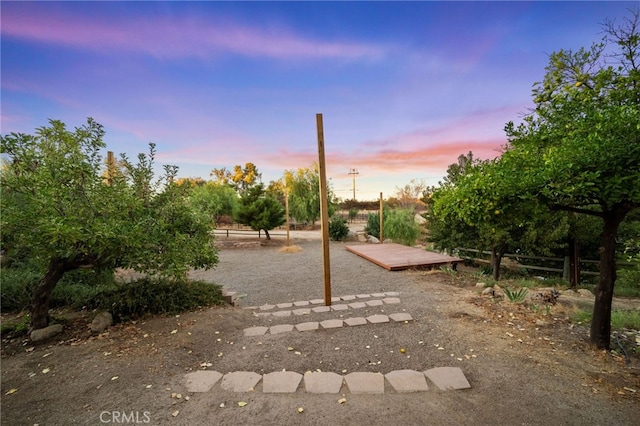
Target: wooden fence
<point x="564" y="271"/>
<point x="245" y="233"/>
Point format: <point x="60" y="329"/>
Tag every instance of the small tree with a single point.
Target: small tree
<point x="259" y="210"/>
<point x="338" y="229"/>
<point x="60" y="212"/>
<point x="401" y="227"/>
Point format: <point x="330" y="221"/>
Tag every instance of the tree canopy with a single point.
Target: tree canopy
<point x="62" y="212"/>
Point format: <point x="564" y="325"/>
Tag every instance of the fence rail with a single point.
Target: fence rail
<point x="245" y="233"/>
<point x="565" y="262"/>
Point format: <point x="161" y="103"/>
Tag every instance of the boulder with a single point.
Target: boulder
<point x="46" y="333"/>
<point x="101" y="322"/>
<point x="362" y="238"/>
<point x="419" y="219"/>
<point x="373" y="240"/>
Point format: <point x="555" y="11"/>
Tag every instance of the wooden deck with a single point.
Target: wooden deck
<point x="396" y="257"/>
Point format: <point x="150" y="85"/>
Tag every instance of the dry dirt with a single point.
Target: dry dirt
<point x="525" y="366"/>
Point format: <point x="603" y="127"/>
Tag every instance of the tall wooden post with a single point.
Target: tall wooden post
<point x="286" y="209"/>
<point x="381" y="221"/>
<point x="324" y="213"/>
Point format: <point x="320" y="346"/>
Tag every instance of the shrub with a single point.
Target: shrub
<point x="338" y="229"/>
<point x="157" y="296"/>
<point x="401" y="227"/>
<point x="17" y="285"/>
<point x="373" y="225"/>
<point x="628" y="283"/>
<point x="516" y="296"/>
<point x="353" y="213"/>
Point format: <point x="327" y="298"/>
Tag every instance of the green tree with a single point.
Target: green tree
<point x="60" y="212"/>
<point x="485" y="201"/>
<point x="259" y="210"/>
<point x="214" y="200"/>
<point x="304" y="194"/>
<point x="579" y="150"/>
<point x="241" y="178"/>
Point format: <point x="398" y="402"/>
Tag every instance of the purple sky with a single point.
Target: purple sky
<point x="404" y="88"/>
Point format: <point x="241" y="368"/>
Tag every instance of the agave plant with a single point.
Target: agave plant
<point x="516" y="296"/>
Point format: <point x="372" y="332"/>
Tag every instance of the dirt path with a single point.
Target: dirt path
<point x="524" y="367"/>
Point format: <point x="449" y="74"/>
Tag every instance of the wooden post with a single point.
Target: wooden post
<point x="324" y="213"/>
<point x="286" y="209"/>
<point x="381" y="221"/>
<point x="111" y="165"/>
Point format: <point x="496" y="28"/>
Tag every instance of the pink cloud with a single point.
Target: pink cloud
<point x="162" y="37"/>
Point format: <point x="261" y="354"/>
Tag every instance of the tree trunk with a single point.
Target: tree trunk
<point x="42" y="293"/>
<point x="574" y="263"/>
<point x="601" y="322"/>
<point x="266" y="234"/>
<point x="496" y="259"/>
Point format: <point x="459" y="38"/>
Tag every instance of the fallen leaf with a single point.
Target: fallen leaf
<point x="114" y="378"/>
<point x="630" y="389"/>
<point x="174" y="331"/>
<point x="45" y="371"/>
<point x="342" y="400"/>
<point x="175" y="413"/>
<point x="300" y="409"/>
<point x="222" y="405"/>
<point x="242" y="404"/>
<point x="10" y="391"/>
<point x="289" y="348"/>
<point x="148" y="386"/>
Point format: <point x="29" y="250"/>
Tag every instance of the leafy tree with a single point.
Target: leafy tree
<point x="579" y="150"/>
<point x="214" y="200"/>
<point x="409" y="196"/>
<point x="304" y="194"/>
<point x="241" y="178"/>
<point x="484" y="201"/>
<point x="259" y="210"/>
<point x="59" y="211"/>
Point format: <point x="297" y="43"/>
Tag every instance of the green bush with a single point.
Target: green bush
<point x="373" y="225"/>
<point x="157" y="296"/>
<point x="628" y="283"/>
<point x="401" y="227"/>
<point x="338" y="229"/>
<point x="17" y="285"/>
<point x="78" y="287"/>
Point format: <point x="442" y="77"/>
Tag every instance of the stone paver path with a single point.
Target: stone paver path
<point x="400" y="381"/>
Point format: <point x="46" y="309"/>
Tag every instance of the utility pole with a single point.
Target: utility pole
<point x="354" y="172"/>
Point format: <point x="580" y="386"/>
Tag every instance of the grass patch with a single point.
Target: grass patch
<point x="620" y="318"/>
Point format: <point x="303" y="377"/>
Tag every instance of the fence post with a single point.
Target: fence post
<point x="566" y="268"/>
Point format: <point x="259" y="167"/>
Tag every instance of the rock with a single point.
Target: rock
<point x="541" y="323"/>
<point x="584" y="292"/>
<point x="387" y="241"/>
<point x="494" y="291"/>
<point x="481" y="285"/>
<point x="101" y="322"/>
<point x="352" y="236"/>
<point x="46" y="333"/>
<point x="362" y="238"/>
<point x="488" y="292"/>
<point x="419" y="219"/>
<point x="373" y="240"/>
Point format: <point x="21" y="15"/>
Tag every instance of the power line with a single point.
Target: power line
<point x="354" y="172"/>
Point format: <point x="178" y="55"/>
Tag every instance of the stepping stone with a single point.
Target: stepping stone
<point x="282" y="314"/>
<point x="201" y="381"/>
<point x="321" y="382"/>
<point x="281" y="382"/>
<point x="279" y="329"/>
<point x="369" y="383"/>
<point x="252" y="308"/>
<point x="319" y="309"/>
<point x="374" y="302"/>
<point x="331" y="323"/>
<point x="240" y="381"/>
<point x="448" y="378"/>
<point x="407" y="381"/>
<point x="379" y="295"/>
<point x="348" y="297"/>
<point x="391" y="300"/>
<point x="301" y="311"/>
<point x="307" y="326"/>
<point x="301" y="303"/>
<point x="401" y="317"/>
<point x="352" y="322"/>
<point x="363" y="296"/>
<point x="339" y="307"/>
<point x="316" y="301"/>
<point x="284" y="305"/>
<point x="256" y="331"/>
<point x="267" y="307"/>
<point x="262" y="314"/>
<point x="392" y="293"/>
<point x="376" y="319"/>
<point x="335" y="299"/>
<point x="357" y="305"/>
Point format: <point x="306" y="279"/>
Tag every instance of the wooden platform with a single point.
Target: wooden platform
<point x="396" y="257"/>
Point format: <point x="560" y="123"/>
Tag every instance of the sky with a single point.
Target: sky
<point x="404" y="88"/>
